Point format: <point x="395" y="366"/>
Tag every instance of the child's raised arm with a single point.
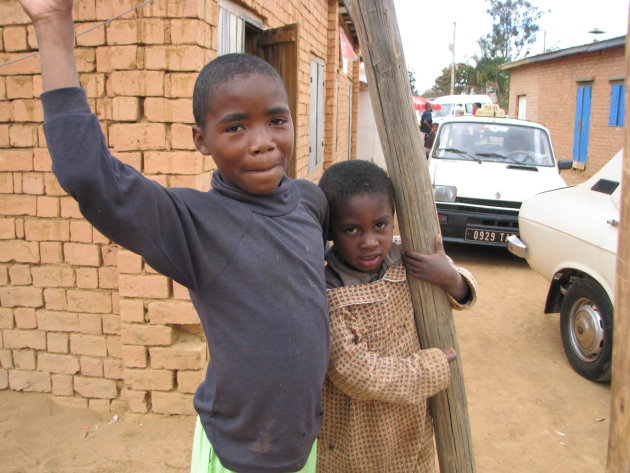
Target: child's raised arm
<point x="54" y="27"/>
<point x="437" y="269"/>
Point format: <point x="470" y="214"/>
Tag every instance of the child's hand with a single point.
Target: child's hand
<point x="436" y="269"/>
<point x="43" y="9"/>
<point x="451" y="354"/>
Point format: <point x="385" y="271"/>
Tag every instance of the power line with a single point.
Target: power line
<point x="92" y="28"/>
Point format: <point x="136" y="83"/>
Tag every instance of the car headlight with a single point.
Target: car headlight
<point x="444" y="193"/>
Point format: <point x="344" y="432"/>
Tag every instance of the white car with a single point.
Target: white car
<point x="569" y="236"/>
<point x="482" y="168"/>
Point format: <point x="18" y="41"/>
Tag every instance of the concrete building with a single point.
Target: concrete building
<point x="81" y="318"/>
<point x="579" y="94"/>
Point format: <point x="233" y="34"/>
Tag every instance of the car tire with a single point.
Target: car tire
<point x="586" y="327"/>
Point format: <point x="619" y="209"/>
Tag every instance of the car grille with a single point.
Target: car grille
<point x="490" y="203"/>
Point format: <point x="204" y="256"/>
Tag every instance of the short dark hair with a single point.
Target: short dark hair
<point x="219" y="72"/>
<point x="343" y="180"/>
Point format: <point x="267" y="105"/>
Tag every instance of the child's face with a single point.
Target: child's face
<point x="362" y="231"/>
<point x="249" y="133"/>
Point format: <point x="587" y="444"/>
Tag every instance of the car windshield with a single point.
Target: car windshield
<point x="445" y="111"/>
<point x="490" y="142"/>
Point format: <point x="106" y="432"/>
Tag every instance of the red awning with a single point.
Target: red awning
<point x="347" y="51"/>
<point x="418" y="103"/>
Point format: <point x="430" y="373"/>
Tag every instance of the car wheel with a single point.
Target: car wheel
<point x="586" y="326"/>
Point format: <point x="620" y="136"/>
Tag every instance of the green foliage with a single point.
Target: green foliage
<point x="514" y="30"/>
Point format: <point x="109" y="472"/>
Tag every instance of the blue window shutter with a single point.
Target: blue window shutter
<point x="614" y="105"/>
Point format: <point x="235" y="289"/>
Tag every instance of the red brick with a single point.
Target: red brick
<point x="112" y="368"/>
<point x="82" y="254"/>
<point x="134" y="356"/>
<point x="117" y="58"/>
<point x="137" y="400"/>
<point x="20" y="275"/>
<point x="53" y="188"/>
<point x="6" y="318"/>
<point x="47" y="229"/>
<point x="53" y="321"/>
<point x="172" y="403"/>
<point x="25" y="318"/>
<point x="73" y="402"/>
<point x="131" y="310"/>
<point x="137" y="136"/>
<point x="7" y="228"/>
<point x="62" y="384"/>
<point x="140" y="83"/>
<point x="149" y="380"/>
<point x="108" y="277"/>
<point x="91" y="366"/>
<point x="18" y="204"/>
<point x="123" y="32"/>
<point x="23" y="135"/>
<point x="81" y="231"/>
<point x="189" y="381"/>
<point x="57" y="342"/>
<point x="173" y="162"/>
<point x="185" y="8"/>
<point x="85" y="59"/>
<point x="69" y="208"/>
<point x="91" y="345"/>
<point x="180" y="292"/>
<point x="109" y="255"/>
<point x="24" y="359"/>
<point x="4" y="379"/>
<point x="47" y="206"/>
<point x="55" y="363"/>
<point x="180" y="84"/>
<point x="6" y="359"/>
<point x="184" y="356"/>
<point x="4" y="138"/>
<point x="181" y="137"/>
<point x="114" y="346"/>
<point x="151" y="335"/>
<point x="14" y="38"/>
<point x="19" y="87"/>
<point x="21" y="296"/>
<point x="25" y="339"/>
<point x="94" y="85"/>
<point x="94" y="302"/>
<point x="51" y="252"/>
<point x="52" y="276"/>
<point x="95" y="387"/>
<point x="147" y="286"/>
<point x="55" y="299"/>
<point x="126" y="109"/>
<point x="168" y="110"/>
<point x="152" y="30"/>
<point x="16" y="160"/>
<point x="174" y="58"/>
<point x="26" y="110"/>
<point x="33" y="183"/>
<point x="96" y="37"/>
<point x="11" y="13"/>
<point x="19" y="251"/>
<point x="170" y="312"/>
<point x="87" y="278"/>
<point x="30" y="381"/>
<point x="29" y="65"/>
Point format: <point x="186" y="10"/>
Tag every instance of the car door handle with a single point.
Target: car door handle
<point x="612" y="222"/>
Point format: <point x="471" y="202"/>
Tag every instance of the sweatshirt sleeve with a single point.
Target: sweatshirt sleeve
<point x="472" y="290"/>
<point x="368" y="376"/>
<point x="119" y="201"/>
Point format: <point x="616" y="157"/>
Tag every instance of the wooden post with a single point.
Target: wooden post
<point x="618" y="450"/>
<point x="403" y="148"/>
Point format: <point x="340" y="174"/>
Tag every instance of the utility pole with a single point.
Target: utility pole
<point x="453" y="62"/>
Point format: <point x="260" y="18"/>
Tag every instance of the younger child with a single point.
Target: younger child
<point x="376" y="416"/>
<point x="250" y="251"/>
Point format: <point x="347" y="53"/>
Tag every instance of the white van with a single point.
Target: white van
<point x="450" y="102"/>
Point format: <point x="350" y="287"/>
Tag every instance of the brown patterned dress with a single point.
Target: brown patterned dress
<point x="376" y="415"/>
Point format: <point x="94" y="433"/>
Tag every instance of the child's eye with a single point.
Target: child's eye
<point x="234" y="129"/>
<point x="278" y="121"/>
<point x="381" y="226"/>
<point x="351" y="230"/>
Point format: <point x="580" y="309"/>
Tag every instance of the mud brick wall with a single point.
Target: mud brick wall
<point x="551" y="90"/>
<point x="82" y="319"/>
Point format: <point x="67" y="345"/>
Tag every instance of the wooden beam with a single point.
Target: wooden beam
<point x="390" y="94"/>
<point x="618" y="450"/>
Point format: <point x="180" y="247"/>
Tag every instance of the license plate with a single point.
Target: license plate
<point x="488" y="236"/>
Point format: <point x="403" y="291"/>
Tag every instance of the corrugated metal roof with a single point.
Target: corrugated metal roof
<point x="585" y="48"/>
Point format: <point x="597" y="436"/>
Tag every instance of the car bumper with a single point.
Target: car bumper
<point x="477" y="226"/>
<point x="516" y="246"/>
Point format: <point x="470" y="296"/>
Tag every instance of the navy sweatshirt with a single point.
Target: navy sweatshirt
<point x="254" y="266"/>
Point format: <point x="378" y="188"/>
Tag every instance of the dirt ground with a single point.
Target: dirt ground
<point x="529" y="412"/>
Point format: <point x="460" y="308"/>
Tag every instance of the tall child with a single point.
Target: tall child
<point x="250" y="251"/>
<point x="376" y="415"/>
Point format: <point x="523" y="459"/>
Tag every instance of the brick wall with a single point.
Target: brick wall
<point x="81" y="318"/>
<point x="551" y="90"/>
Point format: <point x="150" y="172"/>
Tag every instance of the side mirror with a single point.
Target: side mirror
<point x="565" y="164"/>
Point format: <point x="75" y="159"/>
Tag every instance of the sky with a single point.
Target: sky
<point x="426" y="29"/>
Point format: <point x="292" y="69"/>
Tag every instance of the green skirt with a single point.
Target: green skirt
<point x="205" y="460"/>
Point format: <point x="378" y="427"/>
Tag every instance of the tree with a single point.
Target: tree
<point x="412" y="81"/>
<point x="514" y="29"/>
<point x="464" y="81"/>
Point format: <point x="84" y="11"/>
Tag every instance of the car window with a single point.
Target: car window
<point x="490" y="142"/>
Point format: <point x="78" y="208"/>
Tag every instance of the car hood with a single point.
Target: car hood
<point x="494" y="181"/>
